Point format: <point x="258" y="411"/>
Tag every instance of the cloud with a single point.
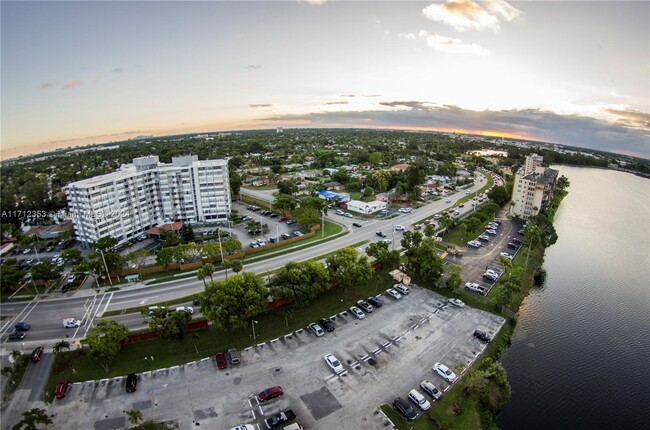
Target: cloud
<point x="534" y="124"/>
<point x="71" y="84"/>
<point x="314" y="2"/>
<point x="117" y="70"/>
<point x="360" y="95"/>
<point x="48" y="84"/>
<point x="630" y="117"/>
<point x="406" y="36"/>
<point x="253" y="66"/>
<point x="260" y="105"/>
<point x="450" y="45"/>
<point x="466" y="15"/>
<point x="342" y="102"/>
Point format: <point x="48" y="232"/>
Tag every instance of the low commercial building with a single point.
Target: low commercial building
<point x="366" y="208"/>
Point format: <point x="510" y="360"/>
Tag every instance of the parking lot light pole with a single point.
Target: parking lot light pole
<point x="253" y="322"/>
<point x="322" y="223"/>
<point x="393" y="242"/>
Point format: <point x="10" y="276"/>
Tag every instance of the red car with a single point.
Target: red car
<point x="221" y="360"/>
<point x="270" y="393"/>
<point x="61" y="389"/>
<point x="283" y="219"/>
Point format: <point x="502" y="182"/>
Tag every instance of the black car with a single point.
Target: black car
<point x="481" y="335"/>
<point x="17" y="335"/>
<point x="280" y="419"/>
<point x="272" y="239"/>
<point x="513" y="245"/>
<point x="375" y="302"/>
<point x="36" y="354"/>
<point x="131" y="382"/>
<point x="405" y="409"/>
<point x="286" y="235"/>
<point x="381" y="234"/>
<point x="196" y="301"/>
<point x="326" y="324"/>
<point x="356" y="224"/>
<point x="22" y="326"/>
<point x="517" y="240"/>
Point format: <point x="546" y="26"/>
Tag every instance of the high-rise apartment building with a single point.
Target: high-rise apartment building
<point x="137" y="196"/>
<point x="533" y="188"/>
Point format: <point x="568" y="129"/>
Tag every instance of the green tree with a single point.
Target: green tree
<point x="135" y="416"/>
<point x="284" y="203"/>
<point x="411" y="240"/>
<point x="173" y="325"/>
<point x="314" y="203"/>
<point x="375" y="159"/>
<point x="105" y="243"/>
<point x="105" y="341"/>
<point x="499" y="195"/>
<point x="45" y="271"/>
<point x="562" y="183"/>
<point x="300" y="283"/>
<point x="10" y="275"/>
<point x="138" y="258"/>
<point x="425" y="262"/>
<point x="380" y="252"/>
<point x="346" y="268"/>
<point x="454" y="281"/>
<point x="186" y="232"/>
<point x="307" y="216"/>
<point x="287" y="187"/>
<point x="72" y="255"/>
<point x="235" y="183"/>
<point x="430" y="230"/>
<point x="472" y="224"/>
<point x="233" y="301"/>
<point x="60" y="346"/>
<point x="169" y="238"/>
<point x="7" y="371"/>
<point x="165" y="257"/>
<point x="32" y="420"/>
<point x="236" y="265"/>
<point x="115" y="262"/>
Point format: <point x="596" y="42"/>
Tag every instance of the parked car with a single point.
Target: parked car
<point x="367" y="307"/>
<point x="405" y="210"/>
<point x="506" y="255"/>
<point x="513" y="246"/>
<point x="233" y="356"/>
<point x="16" y="335"/>
<point x="357" y="312"/>
<point x="476" y="288"/>
<point x="431" y="389"/>
<point x="375" y="302"/>
<point x="401" y="288"/>
<point x="326" y="324"/>
<point x="22" y="326"/>
<point x="405" y="409"/>
<point x="270" y="393"/>
<point x="280" y="419"/>
<point x="297" y="233"/>
<point x="490" y="276"/>
<point x="484" y="238"/>
<point x="517" y="240"/>
<point x="36" y="354"/>
<point x="291" y="222"/>
<point x="187" y="309"/>
<point x="474" y="244"/>
<point x="445" y="372"/>
<point x="491" y="232"/>
<point x="316" y="329"/>
<point x="447" y="200"/>
<point x="380" y="234"/>
<point x="243" y="427"/>
<point x="420" y="401"/>
<point x="220" y="358"/>
<point x="394" y="294"/>
<point x="285" y="235"/>
<point x="387" y="241"/>
<point x="131" y="382"/>
<point x="61" y="389"/>
<point x="334" y="363"/>
<point x="437" y="217"/>
<point x="457" y="302"/>
<point x="482" y="336"/>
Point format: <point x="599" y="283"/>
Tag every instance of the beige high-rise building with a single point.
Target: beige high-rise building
<point x="533" y="187"/>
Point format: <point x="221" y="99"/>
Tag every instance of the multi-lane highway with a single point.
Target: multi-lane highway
<point x="45" y="315"/>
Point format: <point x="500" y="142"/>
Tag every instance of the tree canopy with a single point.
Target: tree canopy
<point x="346" y="268"/>
<point x="105" y="341"/>
<point x="233" y="301"/>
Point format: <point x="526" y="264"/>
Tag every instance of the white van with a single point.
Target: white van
<point x="292" y="426"/>
<point x="416" y="397"/>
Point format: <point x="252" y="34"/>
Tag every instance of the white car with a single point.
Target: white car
<point x="457" y="302"/>
<point x="474" y="244"/>
<point x="334" y="363"/>
<point x="405" y="210"/>
<point x="490" y="231"/>
<point x="448" y="201"/>
<point x="431" y="389"/>
<point x="399" y="227"/>
<point x="467" y="192"/>
<point x="357" y="312"/>
<point x="339" y="212"/>
<point x="437" y="216"/>
<point x="506" y="255"/>
<point x="315" y="328"/>
<point x="394" y="294"/>
<point x="71" y="323"/>
<point x="445" y="372"/>
<point x="416" y="397"/>
<point x="387" y="241"/>
<point x="243" y="427"/>
<point x="187" y="309"/>
<point x="401" y="288"/>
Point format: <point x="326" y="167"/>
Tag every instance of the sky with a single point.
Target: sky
<point x="569" y="72"/>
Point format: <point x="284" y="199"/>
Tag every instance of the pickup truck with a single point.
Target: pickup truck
<point x="454" y="251"/>
<point x="280" y="419"/>
<point x="470" y="286"/>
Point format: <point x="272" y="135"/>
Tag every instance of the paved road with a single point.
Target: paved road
<point x="45" y="315"/>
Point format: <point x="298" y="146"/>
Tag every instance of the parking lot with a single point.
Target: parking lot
<point x="476" y="261"/>
<point x="384" y="355"/>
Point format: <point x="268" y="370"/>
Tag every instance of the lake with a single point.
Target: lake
<point x="580" y="357"/>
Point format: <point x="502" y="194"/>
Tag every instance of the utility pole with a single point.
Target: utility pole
<point x="106" y="267"/>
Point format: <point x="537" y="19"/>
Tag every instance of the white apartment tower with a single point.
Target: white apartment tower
<point x="533" y="187"/>
<point x="138" y="196"/>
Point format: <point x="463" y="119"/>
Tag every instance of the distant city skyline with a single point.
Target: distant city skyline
<point x="575" y="73"/>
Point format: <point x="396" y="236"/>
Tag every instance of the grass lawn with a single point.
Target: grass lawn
<point x="263" y="187"/>
<point x="77" y="366"/>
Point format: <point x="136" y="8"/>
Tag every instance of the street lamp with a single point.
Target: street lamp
<point x="253" y="322"/>
<point x="322" y="223"/>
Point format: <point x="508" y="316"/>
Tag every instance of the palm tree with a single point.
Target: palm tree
<point x="60" y="346"/>
<point x="210" y="269"/>
<point x="135" y="416"/>
<point x="201" y="274"/>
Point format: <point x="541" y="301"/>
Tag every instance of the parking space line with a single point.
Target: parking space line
<point x="397" y="338"/>
<point x="405" y="333"/>
<point x="414" y="326"/>
<point x="385" y="345"/>
<point x="376" y="351"/>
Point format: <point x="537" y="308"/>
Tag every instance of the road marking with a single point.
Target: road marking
<point x="397" y="338"/>
<point x="386" y="345"/>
